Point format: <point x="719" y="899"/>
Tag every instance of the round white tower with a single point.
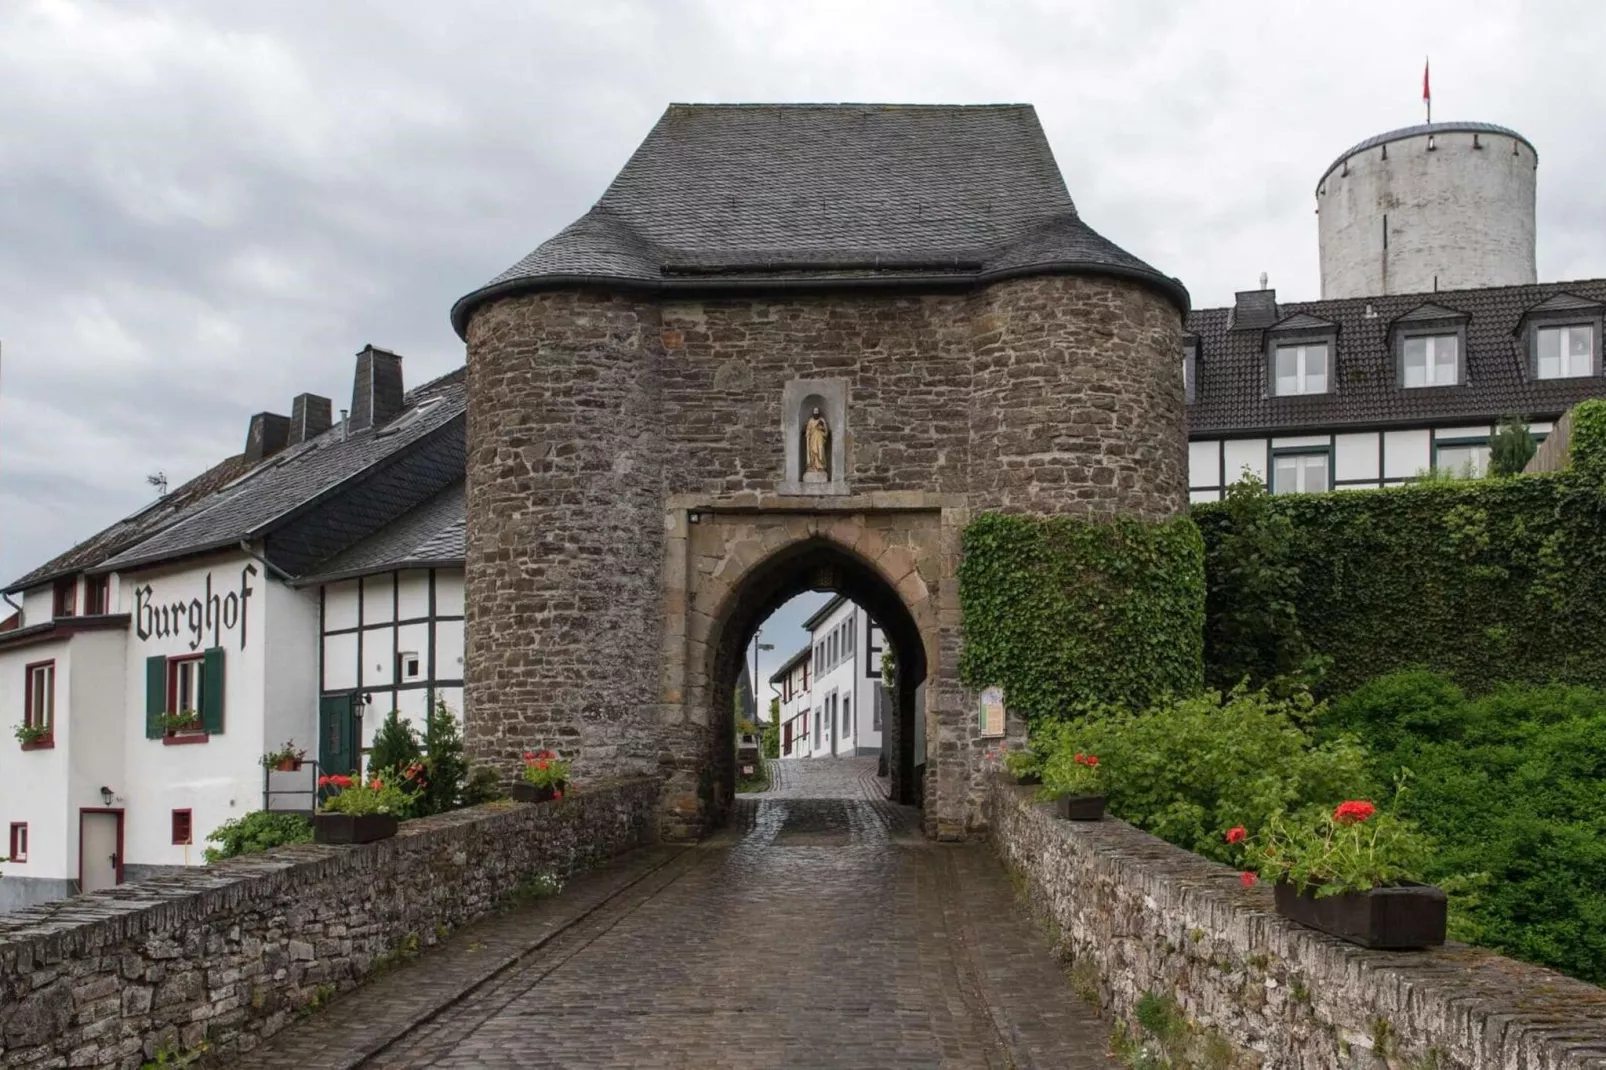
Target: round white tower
<point x="1442" y="206"/>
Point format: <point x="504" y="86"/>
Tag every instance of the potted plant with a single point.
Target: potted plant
<point x="1074" y="781"/>
<point x="30" y="734"/>
<point x="545" y="776"/>
<point x="183" y="721"/>
<point x="1351" y="872"/>
<point x="359" y="811"/>
<point x="1025" y="766"/>
<point x="287" y="759"/>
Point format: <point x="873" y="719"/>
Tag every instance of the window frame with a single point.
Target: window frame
<point x="1460" y="443"/>
<point x="189" y="826"/>
<point x="1301" y="339"/>
<point x="1442" y="329"/>
<point x="1300" y="451"/>
<point x="64" y="597"/>
<point x="175" y="665"/>
<point x="1190" y="372"/>
<point x="12" y="855"/>
<point x="1552" y="322"/>
<point x="30" y="715"/>
<point x="97" y="595"/>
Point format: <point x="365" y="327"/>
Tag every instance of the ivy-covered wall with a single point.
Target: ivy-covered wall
<point x="1060" y="611"/>
<point x="1487" y="580"/>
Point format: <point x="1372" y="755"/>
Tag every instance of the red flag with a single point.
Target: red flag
<point x="1426" y="94"/>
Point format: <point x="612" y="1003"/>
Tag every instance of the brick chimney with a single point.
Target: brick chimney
<point x="1253" y="310"/>
<point x="376" y="393"/>
<point x="268" y="433"/>
<point x="310" y="416"/>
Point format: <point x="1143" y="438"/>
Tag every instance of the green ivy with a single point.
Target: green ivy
<point x="1488" y="581"/>
<point x="1587" y="445"/>
<point x="1062" y="612"/>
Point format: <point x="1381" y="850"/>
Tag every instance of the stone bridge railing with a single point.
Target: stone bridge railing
<point x="1135" y="914"/>
<point x="227" y="954"/>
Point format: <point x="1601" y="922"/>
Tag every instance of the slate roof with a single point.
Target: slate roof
<point x="791" y="663"/>
<point x="784" y="195"/>
<point x="433" y="534"/>
<point x="233" y="501"/>
<point x="1231" y="380"/>
<point x="133" y="528"/>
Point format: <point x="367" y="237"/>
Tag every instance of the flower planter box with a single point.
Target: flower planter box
<point x="1029" y="779"/>
<point x="1389" y="919"/>
<point x="287" y="765"/>
<point x="1080" y="808"/>
<point x="352" y="828"/>
<point x="526" y="792"/>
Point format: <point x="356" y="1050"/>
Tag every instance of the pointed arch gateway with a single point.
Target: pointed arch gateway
<point x="741" y="567"/>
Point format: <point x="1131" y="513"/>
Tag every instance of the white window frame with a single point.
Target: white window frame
<point x="1431" y="345"/>
<point x="1326" y="458"/>
<point x="41" y="696"/>
<point x="1565" y="331"/>
<point x="1440" y="445"/>
<point x="1302" y="375"/>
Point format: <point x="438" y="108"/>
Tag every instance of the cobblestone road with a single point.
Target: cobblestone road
<point x="818" y="930"/>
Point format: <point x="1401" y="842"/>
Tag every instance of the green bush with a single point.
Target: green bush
<point x="1191" y="768"/>
<point x="1586" y="449"/>
<point x="256" y="831"/>
<point x="396" y="745"/>
<point x="445" y="767"/>
<point x="1060" y="612"/>
<point x="1512" y="787"/>
<point x="1488" y="581"/>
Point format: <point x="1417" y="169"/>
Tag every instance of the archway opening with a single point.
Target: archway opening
<point x="850" y="640"/>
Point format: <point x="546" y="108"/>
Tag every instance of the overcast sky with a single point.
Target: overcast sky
<point x="206" y="208"/>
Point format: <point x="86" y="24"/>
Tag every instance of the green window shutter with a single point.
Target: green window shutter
<point x="155" y="695"/>
<point x="212" y="691"/>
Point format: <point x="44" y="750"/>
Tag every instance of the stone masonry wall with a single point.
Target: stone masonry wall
<point x="229" y="953"/>
<point x="1144" y="916"/>
<point x="601" y="425"/>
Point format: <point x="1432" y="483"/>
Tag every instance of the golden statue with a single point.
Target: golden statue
<point x="816" y="440"/>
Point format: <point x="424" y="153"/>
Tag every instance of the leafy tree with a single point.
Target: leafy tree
<point x="1252" y="629"/>
<point x="770" y="741"/>
<point x="1511" y="447"/>
<point x="256" y="831"/>
<point x="445" y="767"/>
<point x="395" y="746"/>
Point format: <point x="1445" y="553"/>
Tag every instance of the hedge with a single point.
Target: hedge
<point x="1062" y="612"/>
<point x="1489" y="581"/>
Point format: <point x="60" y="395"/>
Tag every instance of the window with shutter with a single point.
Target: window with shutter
<point x="155" y="695"/>
<point x="212" y="692"/>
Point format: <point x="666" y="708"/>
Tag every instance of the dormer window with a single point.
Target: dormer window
<point x="1301" y="368"/>
<point x="1564" y="352"/>
<point x="1190" y="371"/>
<point x="1431" y="360"/>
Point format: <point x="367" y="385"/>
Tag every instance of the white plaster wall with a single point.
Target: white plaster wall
<point x="291" y="698"/>
<point x="1240" y="453"/>
<point x="340" y="662"/>
<point x="378" y="599"/>
<point x="413" y="594"/>
<point x="96" y="749"/>
<point x="340" y="605"/>
<point x="221" y="778"/>
<point x="449" y="592"/>
<point x="1458" y="217"/>
<point x="449" y="650"/>
<point x="33" y="784"/>
<point x="1204" y="463"/>
<point x="1355" y="456"/>
<point x="1405" y="453"/>
<point x="37" y="604"/>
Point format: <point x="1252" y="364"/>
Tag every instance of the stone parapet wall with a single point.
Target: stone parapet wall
<point x="1141" y="915"/>
<point x="228" y="954"/>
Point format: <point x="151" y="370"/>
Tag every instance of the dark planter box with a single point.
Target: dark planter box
<point x="352" y="828"/>
<point x="1029" y="778"/>
<point x="1080" y="808"/>
<point x="524" y="791"/>
<point x="1390" y="919"/>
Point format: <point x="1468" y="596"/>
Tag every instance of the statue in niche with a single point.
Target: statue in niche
<point x="816" y="449"/>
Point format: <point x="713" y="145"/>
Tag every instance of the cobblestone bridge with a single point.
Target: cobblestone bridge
<point x="818" y="930"/>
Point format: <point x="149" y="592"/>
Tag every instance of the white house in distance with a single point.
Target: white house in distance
<point x="280" y="596"/>
<point x="832" y="698"/>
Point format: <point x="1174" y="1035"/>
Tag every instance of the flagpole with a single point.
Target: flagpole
<point x="1427" y="93"/>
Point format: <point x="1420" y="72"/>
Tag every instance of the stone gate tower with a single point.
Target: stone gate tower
<point x="791" y="348"/>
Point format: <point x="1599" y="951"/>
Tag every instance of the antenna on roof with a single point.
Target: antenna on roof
<point x="159" y="481"/>
<point x="1263" y="280"/>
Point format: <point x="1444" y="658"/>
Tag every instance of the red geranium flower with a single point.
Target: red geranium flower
<point x="336" y="780"/>
<point x="557" y="794"/>
<point x="1237" y="834"/>
<point x="1092" y="759"/>
<point x="541" y="765"/>
<point x="1247" y="879"/>
<point x="1353" y="811"/>
<point x="528" y="757"/>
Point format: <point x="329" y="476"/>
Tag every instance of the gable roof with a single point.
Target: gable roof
<point x="831" y="606"/>
<point x="431" y="535"/>
<point x="1303" y="321"/>
<point x="791" y="663"/>
<point x="1427" y="312"/>
<point x="784" y="195"/>
<point x="1230" y="377"/>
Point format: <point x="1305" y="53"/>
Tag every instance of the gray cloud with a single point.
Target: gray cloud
<point x="206" y="209"/>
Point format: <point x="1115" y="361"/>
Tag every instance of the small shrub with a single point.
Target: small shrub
<point x="395" y="746"/>
<point x="259" y="830"/>
<point x="380" y="794"/>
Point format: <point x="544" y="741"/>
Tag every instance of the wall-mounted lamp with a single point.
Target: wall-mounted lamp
<point x="106" y="796"/>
